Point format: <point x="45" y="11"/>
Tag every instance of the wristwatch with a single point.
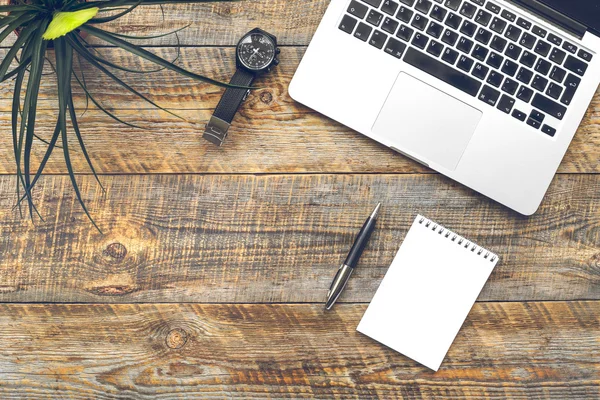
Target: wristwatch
<point x="256" y="54"/>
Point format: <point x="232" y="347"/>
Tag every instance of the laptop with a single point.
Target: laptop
<point x="487" y="92"/>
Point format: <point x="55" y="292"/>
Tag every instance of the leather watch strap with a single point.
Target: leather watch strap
<point x="216" y="129"/>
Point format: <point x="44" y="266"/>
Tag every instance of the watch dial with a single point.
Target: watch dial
<point x="256" y="51"/>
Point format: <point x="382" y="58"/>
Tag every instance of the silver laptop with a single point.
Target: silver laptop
<point x="487" y="92"/>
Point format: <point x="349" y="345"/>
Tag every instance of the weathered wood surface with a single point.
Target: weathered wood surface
<point x="271" y="134"/>
<point x="280" y="238"/>
<point x="505" y="350"/>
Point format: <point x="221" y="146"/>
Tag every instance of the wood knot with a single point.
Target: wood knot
<point x="115" y="250"/>
<point x="266" y="97"/>
<point x="176" y="338"/>
<point x="227" y="11"/>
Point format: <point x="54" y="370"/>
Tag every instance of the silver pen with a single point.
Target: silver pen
<point x="345" y="271"/>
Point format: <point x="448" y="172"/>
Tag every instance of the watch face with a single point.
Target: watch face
<point x="256" y="51"/>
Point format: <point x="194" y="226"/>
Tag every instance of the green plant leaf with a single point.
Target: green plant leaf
<point x="64" y="22"/>
<point x="139" y="51"/>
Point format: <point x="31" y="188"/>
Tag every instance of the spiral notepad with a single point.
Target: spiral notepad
<point x="427" y="292"/>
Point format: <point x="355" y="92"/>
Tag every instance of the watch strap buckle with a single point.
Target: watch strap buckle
<point x="216" y="130"/>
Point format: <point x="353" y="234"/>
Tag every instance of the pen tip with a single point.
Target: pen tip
<point x="376" y="211"/>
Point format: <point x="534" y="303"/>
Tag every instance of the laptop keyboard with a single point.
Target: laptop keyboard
<point x="479" y="48"/>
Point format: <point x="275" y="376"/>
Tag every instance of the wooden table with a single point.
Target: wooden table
<point x="212" y="272"/>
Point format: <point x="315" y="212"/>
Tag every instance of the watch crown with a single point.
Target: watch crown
<point x="276" y="61"/>
<point x="278" y="50"/>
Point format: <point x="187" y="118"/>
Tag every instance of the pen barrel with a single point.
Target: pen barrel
<point x="360" y="243"/>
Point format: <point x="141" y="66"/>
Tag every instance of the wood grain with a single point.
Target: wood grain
<point x="505" y="350"/>
<point x="278" y="239"/>
<point x="271" y="134"/>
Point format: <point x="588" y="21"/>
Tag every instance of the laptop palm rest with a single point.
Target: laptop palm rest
<point x="425" y="122"/>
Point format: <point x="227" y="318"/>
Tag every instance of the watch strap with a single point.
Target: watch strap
<point x="232" y="99"/>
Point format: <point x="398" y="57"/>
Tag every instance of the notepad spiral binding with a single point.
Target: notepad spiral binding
<point x="457" y="238"/>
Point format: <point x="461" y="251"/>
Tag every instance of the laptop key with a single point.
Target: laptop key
<point x="494" y="60"/>
<point x="495" y="78"/>
<point x="498" y="43"/>
<point x="453" y="21"/>
<point x="548" y="130"/>
<point x="419" y="22"/>
<point x="389" y="7"/>
<point x="435" y="48"/>
<point x="468" y="28"/>
<point x="542" y="48"/>
<point x="404" y="33"/>
<point x="585" y="55"/>
<point x="528" y="59"/>
<point x="449" y="37"/>
<point x="423" y="6"/>
<point x="533" y="123"/>
<point x="420" y="40"/>
<point x="395" y="48"/>
<point x="438" y="13"/>
<point x="570" y="47"/>
<point x="510" y="68"/>
<point x="483" y="36"/>
<point x="524" y="94"/>
<point x="558" y="56"/>
<point x="539" y="31"/>
<point x="453" y="4"/>
<point x="509" y="15"/>
<point x="554" y="39"/>
<point x="489" y="95"/>
<point x="465" y="63"/>
<point x="390" y="25"/>
<point x="524" y="75"/>
<point x="479" y="2"/>
<point x="558" y="74"/>
<point x="538" y="116"/>
<point x="513" y="33"/>
<point x="527" y="40"/>
<point x="358" y="9"/>
<point x="483" y="17"/>
<point x="480" y="71"/>
<point x="374" y="17"/>
<point x="498" y="25"/>
<point x="442" y="71"/>
<point x="435" y="29"/>
<point x="571" y="85"/>
<point x="480" y="52"/>
<point x="506" y="104"/>
<point x="539" y="83"/>
<point x="465" y="45"/>
<point x="549" y="106"/>
<point x="510" y="86"/>
<point x="575" y="65"/>
<point x="468" y="10"/>
<point x="363" y="31"/>
<point x="543" y="66"/>
<point x="404" y="14"/>
<point x="523" y="23"/>
<point x="348" y="23"/>
<point x="378" y="39"/>
<point x="450" y="55"/>
<point x="513" y="51"/>
<point x="492" y="7"/>
<point x="520" y="115"/>
<point x="554" y="90"/>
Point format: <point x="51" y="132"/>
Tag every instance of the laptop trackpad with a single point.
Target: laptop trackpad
<point x="426" y="122"/>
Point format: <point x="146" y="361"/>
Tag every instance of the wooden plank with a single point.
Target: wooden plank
<point x="505" y="350"/>
<point x="221" y="23"/>
<point x="272" y="134"/>
<point x="279" y="238"/>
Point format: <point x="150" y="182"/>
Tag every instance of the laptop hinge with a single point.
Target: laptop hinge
<point x="553" y="16"/>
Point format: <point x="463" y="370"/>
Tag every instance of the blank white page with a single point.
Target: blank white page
<point x="427" y="292"/>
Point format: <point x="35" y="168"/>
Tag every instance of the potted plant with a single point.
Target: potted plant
<point x="64" y="26"/>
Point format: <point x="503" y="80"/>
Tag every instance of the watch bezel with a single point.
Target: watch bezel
<point x="241" y="62"/>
